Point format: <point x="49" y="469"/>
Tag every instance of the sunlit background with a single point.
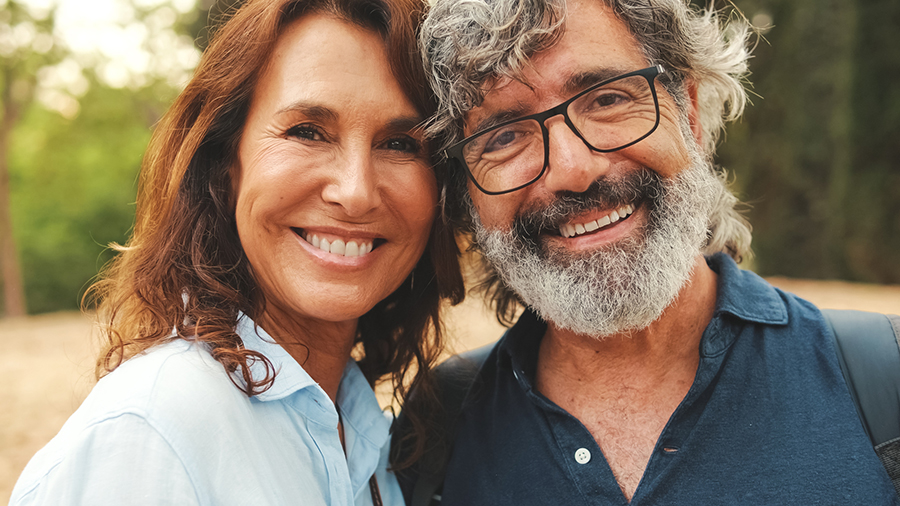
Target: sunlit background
<point x="83" y="82"/>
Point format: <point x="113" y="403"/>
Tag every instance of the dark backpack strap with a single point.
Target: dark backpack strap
<point x="456" y="380"/>
<point x="868" y="347"/>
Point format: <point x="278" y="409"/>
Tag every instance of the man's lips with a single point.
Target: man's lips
<point x="573" y="229"/>
<point x="342" y="246"/>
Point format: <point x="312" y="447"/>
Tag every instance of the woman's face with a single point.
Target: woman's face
<point x="334" y="194"/>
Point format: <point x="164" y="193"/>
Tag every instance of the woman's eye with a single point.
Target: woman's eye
<point x="404" y="144"/>
<point x="307" y="132"/>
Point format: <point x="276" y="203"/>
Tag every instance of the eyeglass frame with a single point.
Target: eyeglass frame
<point x="454" y="152"/>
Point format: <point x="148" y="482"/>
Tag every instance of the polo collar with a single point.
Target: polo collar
<point x="745" y="295"/>
<point x="520" y="346"/>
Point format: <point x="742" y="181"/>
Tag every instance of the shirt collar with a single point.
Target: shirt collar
<point x="520" y="345"/>
<point x="746" y="295"/>
<point x="366" y="427"/>
<point x="290" y="376"/>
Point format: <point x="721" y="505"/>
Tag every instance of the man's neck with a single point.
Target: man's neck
<point x="624" y="388"/>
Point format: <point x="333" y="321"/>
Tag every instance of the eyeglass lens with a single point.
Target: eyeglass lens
<point x="607" y="118"/>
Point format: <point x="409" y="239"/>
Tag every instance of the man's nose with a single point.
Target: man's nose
<point x="571" y="164"/>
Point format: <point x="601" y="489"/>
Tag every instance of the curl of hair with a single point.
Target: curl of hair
<point x="468" y="43"/>
<point x="183" y="273"/>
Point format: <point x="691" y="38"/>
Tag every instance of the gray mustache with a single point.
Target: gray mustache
<point x="605" y="193"/>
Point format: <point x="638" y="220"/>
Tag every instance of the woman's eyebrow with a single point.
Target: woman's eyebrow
<point x="323" y="113"/>
<point x="313" y="111"/>
<point x="404" y="123"/>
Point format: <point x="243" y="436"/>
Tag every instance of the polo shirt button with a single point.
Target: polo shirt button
<point x="582" y="455"/>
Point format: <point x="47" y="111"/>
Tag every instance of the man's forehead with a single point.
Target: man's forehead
<point x="595" y="45"/>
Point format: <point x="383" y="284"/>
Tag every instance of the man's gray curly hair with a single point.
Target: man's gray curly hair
<point x="466" y="43"/>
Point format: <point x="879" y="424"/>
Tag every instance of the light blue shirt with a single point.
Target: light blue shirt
<point x="169" y="427"/>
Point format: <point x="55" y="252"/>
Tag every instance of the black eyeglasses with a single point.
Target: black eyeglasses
<point x="608" y="116"/>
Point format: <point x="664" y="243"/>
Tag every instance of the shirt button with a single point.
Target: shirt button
<point x="582" y="455"/>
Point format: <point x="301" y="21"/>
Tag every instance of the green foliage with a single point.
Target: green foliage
<point x="74" y="184"/>
<point x="818" y="155"/>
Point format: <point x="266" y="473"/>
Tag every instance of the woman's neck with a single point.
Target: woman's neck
<point x="322" y="348"/>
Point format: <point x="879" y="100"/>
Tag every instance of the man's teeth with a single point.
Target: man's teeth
<point x="339" y="247"/>
<point x="573" y="229"/>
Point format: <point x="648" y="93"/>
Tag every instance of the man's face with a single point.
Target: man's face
<point x="595" y="42"/>
<point x="563" y="243"/>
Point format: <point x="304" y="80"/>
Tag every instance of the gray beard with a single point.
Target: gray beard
<point x="621" y="288"/>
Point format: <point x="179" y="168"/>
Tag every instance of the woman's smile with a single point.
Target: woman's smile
<point x="338" y="245"/>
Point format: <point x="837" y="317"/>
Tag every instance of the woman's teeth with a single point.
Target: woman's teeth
<point x="339" y="247"/>
<point x="571" y="230"/>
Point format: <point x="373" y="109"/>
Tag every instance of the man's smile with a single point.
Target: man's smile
<point x="573" y="229"/>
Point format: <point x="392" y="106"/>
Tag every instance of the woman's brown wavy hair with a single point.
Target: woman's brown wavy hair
<point x="183" y="273"/>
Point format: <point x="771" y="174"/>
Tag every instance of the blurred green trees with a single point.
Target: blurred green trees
<point x="817" y="155"/>
<point x="74" y="184"/>
<point x="27" y="45"/>
<point x="81" y="119"/>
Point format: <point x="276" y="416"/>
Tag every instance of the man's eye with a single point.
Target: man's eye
<point x="507" y="137"/>
<point x="609" y="99"/>
<point x="305" y="131"/>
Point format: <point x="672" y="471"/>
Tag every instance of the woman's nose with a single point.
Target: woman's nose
<point x="353" y="185"/>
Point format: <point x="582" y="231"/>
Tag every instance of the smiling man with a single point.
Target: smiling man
<point x="647" y="367"/>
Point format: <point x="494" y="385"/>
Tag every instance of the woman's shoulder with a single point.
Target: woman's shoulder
<point x="172" y="388"/>
<point x="156" y="404"/>
<point x="169" y="380"/>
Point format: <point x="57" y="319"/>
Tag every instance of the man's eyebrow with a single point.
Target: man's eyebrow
<point x="497" y="118"/>
<point x="588" y="78"/>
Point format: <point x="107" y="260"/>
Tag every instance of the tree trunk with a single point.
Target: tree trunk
<point x="13" y="288"/>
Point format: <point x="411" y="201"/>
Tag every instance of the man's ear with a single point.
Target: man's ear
<point x="694" y="111"/>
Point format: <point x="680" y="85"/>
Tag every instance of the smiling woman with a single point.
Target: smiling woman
<point x="330" y="153"/>
<point x="285" y="223"/>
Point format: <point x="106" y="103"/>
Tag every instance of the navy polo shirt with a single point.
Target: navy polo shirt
<point x="767" y="421"/>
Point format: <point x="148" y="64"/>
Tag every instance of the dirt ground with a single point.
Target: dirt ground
<point x="49" y="359"/>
